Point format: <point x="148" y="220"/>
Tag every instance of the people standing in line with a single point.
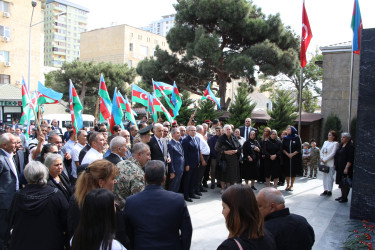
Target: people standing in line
<point x="244" y="221"/>
<point x="344" y="160"/>
<point x="263" y="139"/>
<point x="214" y="155"/>
<point x="273" y="151"/>
<point x="156" y="218"/>
<point x="290" y="231"/>
<point x="38" y="214"/>
<point x="97" y="224"/>
<point x="314" y="159"/>
<point x="251" y="155"/>
<point x="192" y="157"/>
<point x="292" y="156"/>
<point x="176" y="167"/>
<point x="327" y="155"/>
<point x="229" y="149"/>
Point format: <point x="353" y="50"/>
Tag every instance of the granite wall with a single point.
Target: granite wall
<point x="363" y="193"/>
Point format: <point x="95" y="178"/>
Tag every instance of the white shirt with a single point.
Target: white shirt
<point x="203" y="145"/>
<point x="75" y="157"/>
<point x="13" y="166"/>
<point x="69" y="145"/>
<point x="92" y="155"/>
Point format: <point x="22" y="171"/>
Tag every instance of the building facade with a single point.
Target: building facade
<point x="162" y="26"/>
<point x="120" y="44"/>
<point x="336" y="83"/>
<point x="63" y="23"/>
<point x="14" y="47"/>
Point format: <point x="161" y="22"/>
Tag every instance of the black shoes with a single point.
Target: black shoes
<point x="253" y="188"/>
<point x="203" y="190"/>
<point x="343" y="200"/>
<point x="198" y="193"/>
<point x="329" y="193"/>
<point x="188" y="199"/>
<point x="324" y="193"/>
<point x="338" y="199"/>
<point x="195" y="197"/>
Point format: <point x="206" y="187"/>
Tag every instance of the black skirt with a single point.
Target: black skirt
<point x="250" y="170"/>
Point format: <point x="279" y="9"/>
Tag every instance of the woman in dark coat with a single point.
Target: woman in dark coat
<point x="292" y="157"/>
<point x="263" y="139"/>
<point x="344" y="159"/>
<point x="251" y="154"/>
<point x="57" y="179"/>
<point x="272" y="149"/>
<point x="229" y="149"/>
<point x="38" y="213"/>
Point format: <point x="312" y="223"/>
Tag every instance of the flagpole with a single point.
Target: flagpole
<point x="351" y="91"/>
<point x="300" y="101"/>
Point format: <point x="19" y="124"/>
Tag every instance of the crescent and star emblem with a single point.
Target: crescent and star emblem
<point x="143" y="96"/>
<point x="306" y="31"/>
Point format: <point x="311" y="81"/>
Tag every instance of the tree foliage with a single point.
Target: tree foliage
<point x="86" y="77"/>
<point x="220" y="41"/>
<point x="241" y="107"/>
<point x="186" y="109"/>
<point x="310" y="102"/>
<point x="206" y="110"/>
<point x="333" y="122"/>
<point x="283" y="110"/>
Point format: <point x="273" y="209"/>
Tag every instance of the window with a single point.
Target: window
<point x="139" y="37"/>
<point x="4" y="79"/>
<point x="4" y="6"/>
<point x="4" y="31"/>
<point x="130" y="47"/>
<point x="4" y="56"/>
<point x="143" y="50"/>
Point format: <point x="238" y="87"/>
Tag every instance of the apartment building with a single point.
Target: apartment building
<point x="162" y="26"/>
<point x="63" y="23"/>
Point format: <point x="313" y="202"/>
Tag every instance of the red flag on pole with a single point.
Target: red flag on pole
<point x="306" y="35"/>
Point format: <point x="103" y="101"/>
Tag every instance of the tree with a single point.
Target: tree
<point x="219" y="41"/>
<point x="86" y="77"/>
<point x="186" y="109"/>
<point x="241" y="107"/>
<point x="283" y="110"/>
<point x="332" y="123"/>
<point x="312" y="75"/>
<point x="206" y="110"/>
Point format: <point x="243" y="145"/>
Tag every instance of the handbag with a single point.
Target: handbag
<point x="346" y="182"/>
<point x="323" y="168"/>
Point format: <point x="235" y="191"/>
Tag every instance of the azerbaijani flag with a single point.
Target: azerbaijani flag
<point x="210" y="96"/>
<point x="140" y="96"/>
<point x="162" y="89"/>
<point x="116" y="116"/>
<point x="47" y="95"/>
<point x="125" y="105"/>
<point x="104" y="100"/>
<point x="357" y="28"/>
<point x="176" y="100"/>
<point x="75" y="108"/>
<point x="152" y="110"/>
<point x="158" y="106"/>
<point x="33" y="104"/>
<point x="25" y="103"/>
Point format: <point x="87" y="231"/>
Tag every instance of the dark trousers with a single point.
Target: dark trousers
<point x="174" y="184"/>
<point x="201" y="170"/>
<point x="3" y="226"/>
<point x="189" y="178"/>
<point x="207" y="172"/>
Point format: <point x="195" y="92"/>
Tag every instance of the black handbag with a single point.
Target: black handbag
<point x="323" y="168"/>
<point x="346" y="182"/>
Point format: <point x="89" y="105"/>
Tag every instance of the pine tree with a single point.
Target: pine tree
<point x="333" y="122"/>
<point x="283" y="110"/>
<point x="185" y="111"/>
<point x="241" y="108"/>
<point x="206" y="110"/>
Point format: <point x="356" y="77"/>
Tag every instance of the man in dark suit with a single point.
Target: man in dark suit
<point x="118" y="150"/>
<point x="176" y="167"/>
<point x="171" y="225"/>
<point x="55" y="126"/>
<point x="245" y="130"/>
<point x="192" y="159"/>
<point x="158" y="146"/>
<point x="19" y="156"/>
<point x="9" y="183"/>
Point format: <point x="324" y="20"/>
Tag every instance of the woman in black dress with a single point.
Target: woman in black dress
<point x="344" y="159"/>
<point x="244" y="221"/>
<point x="251" y="152"/>
<point x="292" y="157"/>
<point x="272" y="150"/>
<point x="263" y="139"/>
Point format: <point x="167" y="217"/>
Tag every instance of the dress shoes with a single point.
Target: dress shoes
<point x="203" y="190"/>
<point x="343" y="200"/>
<point x="198" y="193"/>
<point x="195" y="197"/>
<point x="329" y="193"/>
<point x="188" y="199"/>
<point x="338" y="199"/>
<point x="324" y="193"/>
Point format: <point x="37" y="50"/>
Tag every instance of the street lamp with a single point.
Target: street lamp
<point x="33" y="4"/>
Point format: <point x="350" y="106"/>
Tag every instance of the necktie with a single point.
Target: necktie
<point x="161" y="146"/>
<point x="246" y="133"/>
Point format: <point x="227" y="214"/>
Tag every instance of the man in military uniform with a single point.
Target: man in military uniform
<point x="212" y="129"/>
<point x="145" y="134"/>
<point x="131" y="177"/>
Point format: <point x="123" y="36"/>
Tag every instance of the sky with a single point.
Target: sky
<point x="329" y="19"/>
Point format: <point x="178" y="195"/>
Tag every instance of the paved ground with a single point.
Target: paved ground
<point x="328" y="217"/>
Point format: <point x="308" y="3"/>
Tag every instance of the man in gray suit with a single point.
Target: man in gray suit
<point x="176" y="167"/>
<point x="8" y="179"/>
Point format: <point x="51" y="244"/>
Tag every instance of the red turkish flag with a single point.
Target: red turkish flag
<point x="306" y="35"/>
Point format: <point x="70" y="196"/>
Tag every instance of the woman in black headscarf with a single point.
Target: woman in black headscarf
<point x="251" y="156"/>
<point x="292" y="156"/>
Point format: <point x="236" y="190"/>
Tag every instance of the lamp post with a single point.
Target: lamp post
<point x="33" y="4"/>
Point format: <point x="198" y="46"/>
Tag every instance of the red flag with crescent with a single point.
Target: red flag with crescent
<point x="306" y="35"/>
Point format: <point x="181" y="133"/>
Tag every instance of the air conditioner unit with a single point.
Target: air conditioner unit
<point x="6" y="14"/>
<point x="7" y="64"/>
<point x="6" y="39"/>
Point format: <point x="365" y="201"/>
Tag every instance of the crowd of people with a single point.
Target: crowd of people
<point x="93" y="190"/>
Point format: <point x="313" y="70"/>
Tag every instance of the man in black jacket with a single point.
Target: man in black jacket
<point x="118" y="150"/>
<point x="291" y="231"/>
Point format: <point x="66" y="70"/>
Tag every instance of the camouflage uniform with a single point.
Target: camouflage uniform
<point x="129" y="181"/>
<point x="212" y="131"/>
<point x="314" y="161"/>
<point x="136" y="139"/>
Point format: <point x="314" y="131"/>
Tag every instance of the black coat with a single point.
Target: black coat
<point x="38" y="218"/>
<point x="265" y="242"/>
<point x="293" y="166"/>
<point x="66" y="190"/>
<point x="291" y="231"/>
<point x="342" y="157"/>
<point x="114" y="158"/>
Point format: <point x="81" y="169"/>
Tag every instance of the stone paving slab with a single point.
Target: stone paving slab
<point x="328" y="217"/>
